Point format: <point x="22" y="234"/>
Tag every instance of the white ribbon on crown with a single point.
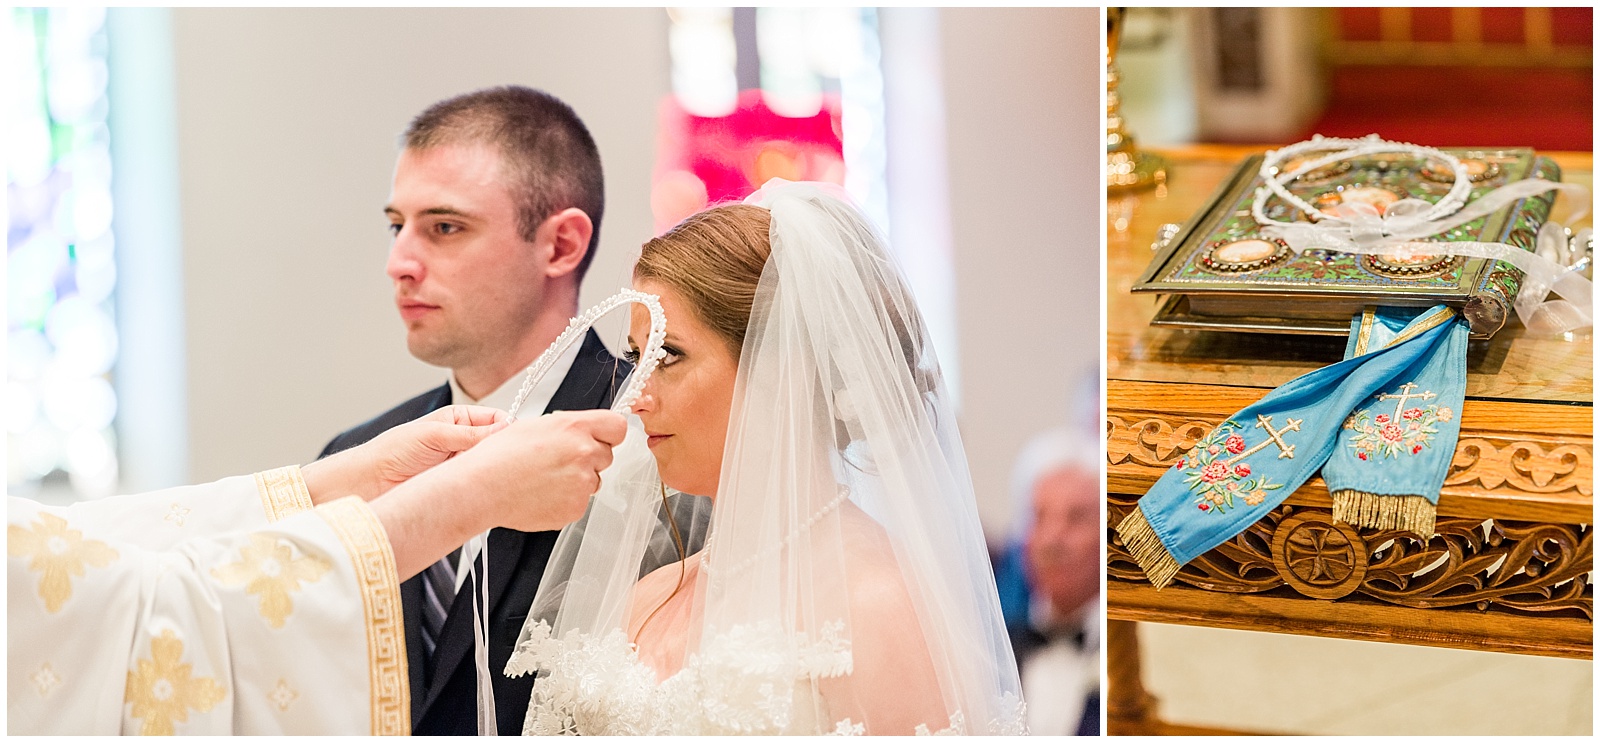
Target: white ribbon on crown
<point x="649" y="357"/>
<point x="1400" y="229"/>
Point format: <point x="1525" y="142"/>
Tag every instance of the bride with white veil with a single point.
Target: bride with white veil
<point x="844" y="585"/>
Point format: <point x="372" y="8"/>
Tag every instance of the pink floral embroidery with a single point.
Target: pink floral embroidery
<point x="1376" y="434"/>
<point x="1217" y="480"/>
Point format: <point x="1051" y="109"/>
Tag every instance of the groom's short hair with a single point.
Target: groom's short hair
<point x="544" y="147"/>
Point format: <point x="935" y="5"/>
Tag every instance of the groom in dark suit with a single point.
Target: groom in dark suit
<point x="495" y="211"/>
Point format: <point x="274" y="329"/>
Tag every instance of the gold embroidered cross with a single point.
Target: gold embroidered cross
<point x="1274" y="436"/>
<point x="1405" y="394"/>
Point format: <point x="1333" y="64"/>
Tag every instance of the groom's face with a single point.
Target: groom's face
<point x="466" y="284"/>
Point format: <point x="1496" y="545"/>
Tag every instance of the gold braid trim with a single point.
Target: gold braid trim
<point x="1364" y="336"/>
<point x="283" y="492"/>
<point x="1147" y="550"/>
<point x="1409" y="512"/>
<point x="1429" y="322"/>
<point x="368" y="546"/>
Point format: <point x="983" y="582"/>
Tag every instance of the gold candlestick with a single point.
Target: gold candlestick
<point x="1127" y="169"/>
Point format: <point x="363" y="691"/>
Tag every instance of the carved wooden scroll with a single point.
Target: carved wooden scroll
<point x="1499" y="565"/>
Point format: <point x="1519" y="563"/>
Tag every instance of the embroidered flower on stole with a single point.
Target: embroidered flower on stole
<point x="58" y="553"/>
<point x="269" y="570"/>
<point x="163" y="689"/>
<point x="1409" y="431"/>
<point x="1218" y="481"/>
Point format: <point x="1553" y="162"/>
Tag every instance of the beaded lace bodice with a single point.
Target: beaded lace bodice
<point x="750" y="680"/>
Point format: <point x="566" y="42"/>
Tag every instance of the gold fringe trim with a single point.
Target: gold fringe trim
<point x="370" y="554"/>
<point x="1412" y="513"/>
<point x="1147" y="550"/>
<point x="283" y="492"/>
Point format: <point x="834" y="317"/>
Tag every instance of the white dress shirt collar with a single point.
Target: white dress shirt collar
<point x="538" y="398"/>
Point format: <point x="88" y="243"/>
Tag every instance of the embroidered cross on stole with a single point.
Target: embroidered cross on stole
<point x="1381" y="425"/>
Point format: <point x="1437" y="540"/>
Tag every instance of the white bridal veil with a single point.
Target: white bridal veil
<point x="844" y="584"/>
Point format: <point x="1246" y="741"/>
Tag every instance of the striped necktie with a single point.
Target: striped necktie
<point x="438" y="591"/>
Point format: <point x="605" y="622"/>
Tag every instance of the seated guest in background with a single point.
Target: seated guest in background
<point x="1049" y="582"/>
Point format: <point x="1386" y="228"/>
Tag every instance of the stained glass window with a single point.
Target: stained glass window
<point x="813" y="111"/>
<point x="60" y="272"/>
<point x="799" y="93"/>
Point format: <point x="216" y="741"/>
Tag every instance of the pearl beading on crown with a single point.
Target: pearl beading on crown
<point x="1349" y="149"/>
<point x="649" y="356"/>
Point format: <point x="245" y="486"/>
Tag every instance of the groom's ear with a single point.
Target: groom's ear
<point x="569" y="231"/>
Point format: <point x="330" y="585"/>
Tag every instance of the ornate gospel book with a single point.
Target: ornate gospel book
<point x="1221" y="273"/>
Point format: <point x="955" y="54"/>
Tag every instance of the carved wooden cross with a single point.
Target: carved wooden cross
<point x="1273" y="437"/>
<point x="1405" y="394"/>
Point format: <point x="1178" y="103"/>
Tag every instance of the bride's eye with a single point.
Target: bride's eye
<point x="671" y="357"/>
<point x="631" y="356"/>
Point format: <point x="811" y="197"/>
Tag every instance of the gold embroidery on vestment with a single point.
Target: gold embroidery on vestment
<point x="268" y="570"/>
<point x="368" y="546"/>
<point x="283" y="492"/>
<point x="163" y="689"/>
<point x="58" y="553"/>
<point x="177" y="514"/>
<point x="283" y="695"/>
<point x="45" y="680"/>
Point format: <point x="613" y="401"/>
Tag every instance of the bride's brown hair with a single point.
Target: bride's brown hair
<point x="714" y="259"/>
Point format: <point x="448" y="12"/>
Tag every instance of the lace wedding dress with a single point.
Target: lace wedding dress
<point x="845" y="587"/>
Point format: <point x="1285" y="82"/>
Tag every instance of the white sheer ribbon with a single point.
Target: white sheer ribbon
<point x="649" y="358"/>
<point x="1401" y="228"/>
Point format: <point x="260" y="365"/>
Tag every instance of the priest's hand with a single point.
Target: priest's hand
<point x="533" y="475"/>
<point x="538" y="474"/>
<point x="400" y="453"/>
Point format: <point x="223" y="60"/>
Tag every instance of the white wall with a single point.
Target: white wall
<point x="1026" y="140"/>
<point x="288" y="124"/>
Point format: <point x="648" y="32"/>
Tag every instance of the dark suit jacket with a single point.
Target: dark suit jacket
<point x="444" y="697"/>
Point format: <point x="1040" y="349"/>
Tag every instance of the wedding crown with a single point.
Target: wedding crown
<point x="649" y="356"/>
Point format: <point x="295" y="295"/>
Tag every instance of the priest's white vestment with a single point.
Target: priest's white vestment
<point x="233" y="607"/>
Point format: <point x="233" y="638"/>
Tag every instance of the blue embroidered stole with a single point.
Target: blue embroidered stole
<point x="1395" y="448"/>
<point x="1250" y="463"/>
